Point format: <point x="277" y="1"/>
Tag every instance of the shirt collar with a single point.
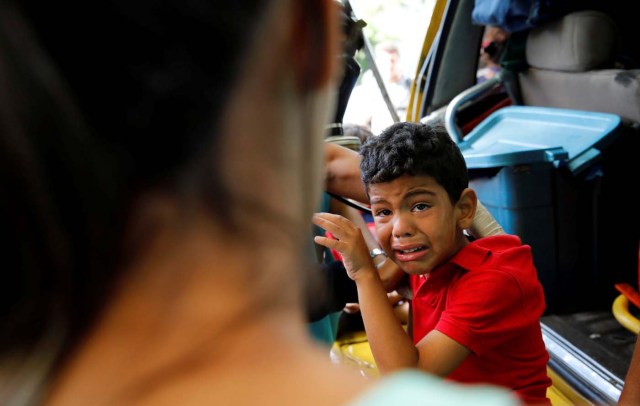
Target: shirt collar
<point x="471" y="256"/>
<point x="478" y="251"/>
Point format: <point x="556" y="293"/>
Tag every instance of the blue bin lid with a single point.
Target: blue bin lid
<point x="516" y="135"/>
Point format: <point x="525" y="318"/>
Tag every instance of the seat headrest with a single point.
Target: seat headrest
<point x="578" y="42"/>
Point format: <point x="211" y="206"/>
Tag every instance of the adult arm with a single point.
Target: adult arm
<point x="484" y="224"/>
<point x="342" y="173"/>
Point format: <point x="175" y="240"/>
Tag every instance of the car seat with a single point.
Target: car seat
<point x="572" y="65"/>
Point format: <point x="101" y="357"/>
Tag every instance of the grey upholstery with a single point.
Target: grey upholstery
<point x="571" y="66"/>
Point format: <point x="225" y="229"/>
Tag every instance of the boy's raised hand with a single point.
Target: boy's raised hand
<point x="349" y="242"/>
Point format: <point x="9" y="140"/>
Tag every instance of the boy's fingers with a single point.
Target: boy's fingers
<point x="331" y="225"/>
<point x="331" y="243"/>
<point x="326" y="242"/>
<point x="321" y="220"/>
<point x="334" y="223"/>
<point x="335" y="231"/>
<point x="320" y="240"/>
<point x="331" y="218"/>
<point x="326" y="216"/>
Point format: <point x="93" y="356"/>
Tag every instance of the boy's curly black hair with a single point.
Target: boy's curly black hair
<point x="408" y="148"/>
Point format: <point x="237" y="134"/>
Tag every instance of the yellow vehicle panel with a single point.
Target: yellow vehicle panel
<point x="353" y="349"/>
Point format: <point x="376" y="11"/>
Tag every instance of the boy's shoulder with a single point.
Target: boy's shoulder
<point x="501" y="242"/>
<point x="497" y="251"/>
<point x="499" y="263"/>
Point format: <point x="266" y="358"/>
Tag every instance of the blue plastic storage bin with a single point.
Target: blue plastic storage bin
<point x="517" y="135"/>
<point x="537" y="171"/>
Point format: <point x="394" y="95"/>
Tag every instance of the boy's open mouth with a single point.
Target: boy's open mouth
<point x="412" y="250"/>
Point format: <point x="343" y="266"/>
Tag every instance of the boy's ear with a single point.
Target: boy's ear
<point x="316" y="42"/>
<point x="466" y="208"/>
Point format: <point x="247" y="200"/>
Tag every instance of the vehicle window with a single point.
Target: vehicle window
<point x="394" y="32"/>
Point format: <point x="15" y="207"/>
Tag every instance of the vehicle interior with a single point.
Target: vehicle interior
<point x="550" y="143"/>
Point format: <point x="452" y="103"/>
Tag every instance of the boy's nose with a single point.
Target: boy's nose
<point x="403" y="225"/>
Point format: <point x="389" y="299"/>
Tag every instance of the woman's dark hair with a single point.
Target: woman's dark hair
<point x="414" y="149"/>
<point x="100" y="100"/>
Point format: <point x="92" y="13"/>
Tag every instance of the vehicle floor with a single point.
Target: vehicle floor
<point x="598" y="335"/>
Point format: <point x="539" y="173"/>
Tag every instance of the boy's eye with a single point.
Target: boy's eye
<point x="382" y="212"/>
<point x="421" y="207"/>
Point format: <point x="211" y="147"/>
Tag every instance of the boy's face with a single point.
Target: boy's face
<point x="416" y="223"/>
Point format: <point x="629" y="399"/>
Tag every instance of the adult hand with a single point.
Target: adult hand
<point x="399" y="303"/>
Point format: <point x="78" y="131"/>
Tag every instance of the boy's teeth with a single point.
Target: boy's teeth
<point x="411" y="250"/>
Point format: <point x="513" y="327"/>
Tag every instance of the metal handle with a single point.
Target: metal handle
<point x="471" y="94"/>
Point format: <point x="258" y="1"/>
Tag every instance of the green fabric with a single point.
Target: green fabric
<point x="325" y="330"/>
<point x="410" y="387"/>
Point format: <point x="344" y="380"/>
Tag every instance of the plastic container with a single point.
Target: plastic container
<point x="538" y="171"/>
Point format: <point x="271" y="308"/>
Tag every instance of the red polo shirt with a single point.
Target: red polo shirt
<point x="489" y="299"/>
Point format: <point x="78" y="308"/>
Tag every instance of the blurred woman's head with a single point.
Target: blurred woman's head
<point x="111" y="108"/>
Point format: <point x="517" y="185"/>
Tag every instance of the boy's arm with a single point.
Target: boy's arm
<point x="392" y="348"/>
<point x="439" y="354"/>
<point x="394" y="278"/>
<point x="356" y="218"/>
<point x="390" y="273"/>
